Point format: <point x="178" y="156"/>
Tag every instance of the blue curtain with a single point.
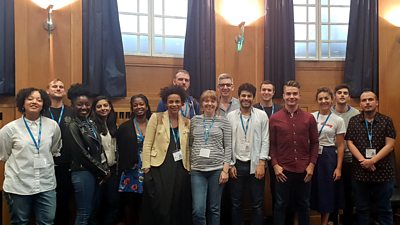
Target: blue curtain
<point x="361" y="65"/>
<point x="7" y="53"/>
<point x="103" y="55"/>
<point x="199" y="56"/>
<point x="279" y="58"/>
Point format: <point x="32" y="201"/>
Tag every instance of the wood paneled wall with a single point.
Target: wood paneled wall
<point x="389" y="71"/>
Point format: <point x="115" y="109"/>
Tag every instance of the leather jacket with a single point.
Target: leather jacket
<point x="87" y="151"/>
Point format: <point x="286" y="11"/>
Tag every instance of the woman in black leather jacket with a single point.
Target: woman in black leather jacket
<point x="89" y="163"/>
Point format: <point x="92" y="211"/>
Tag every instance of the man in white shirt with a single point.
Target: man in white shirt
<point x="250" y="147"/>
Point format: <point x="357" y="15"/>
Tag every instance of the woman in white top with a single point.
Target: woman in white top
<point x="326" y="190"/>
<point x="107" y="206"/>
<point x="28" y="145"/>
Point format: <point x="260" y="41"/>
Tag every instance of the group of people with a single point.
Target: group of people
<point x="172" y="167"/>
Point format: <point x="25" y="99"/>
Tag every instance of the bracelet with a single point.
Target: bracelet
<point x="224" y="171"/>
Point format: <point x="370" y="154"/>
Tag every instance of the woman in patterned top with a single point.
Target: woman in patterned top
<point x="130" y="138"/>
<point x="210" y="156"/>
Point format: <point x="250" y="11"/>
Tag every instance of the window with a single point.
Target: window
<point x="153" y="27"/>
<point x="321" y="29"/>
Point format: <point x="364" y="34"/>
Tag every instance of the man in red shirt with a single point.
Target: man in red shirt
<point x="294" y="151"/>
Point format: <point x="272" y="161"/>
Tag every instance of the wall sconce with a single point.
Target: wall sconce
<point x="50" y="6"/>
<point x="239" y="40"/>
<point x="49" y="24"/>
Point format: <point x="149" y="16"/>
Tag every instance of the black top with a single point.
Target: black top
<point x="127" y="145"/>
<point x="268" y="110"/>
<point x="65" y="157"/>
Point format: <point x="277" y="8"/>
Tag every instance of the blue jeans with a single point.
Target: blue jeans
<point x="377" y="194"/>
<point x="256" y="188"/>
<point x="206" y="188"/>
<point x="43" y="205"/>
<point x="85" y="186"/>
<point x="292" y="193"/>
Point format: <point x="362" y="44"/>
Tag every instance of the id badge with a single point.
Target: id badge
<point x="177" y="155"/>
<point x="370" y="152"/>
<point x="39" y="163"/>
<point x="205" y="152"/>
<point x="320" y="150"/>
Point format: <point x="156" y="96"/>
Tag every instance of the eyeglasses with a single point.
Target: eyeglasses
<point x="223" y="85"/>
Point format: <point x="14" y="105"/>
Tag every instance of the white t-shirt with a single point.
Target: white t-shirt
<point x="335" y="125"/>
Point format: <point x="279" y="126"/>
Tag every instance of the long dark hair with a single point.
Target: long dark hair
<point x="111" y="122"/>
<point x="146" y="101"/>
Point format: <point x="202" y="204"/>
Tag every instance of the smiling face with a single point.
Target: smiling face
<point x="246" y="99"/>
<point x="82" y="106"/>
<point x="225" y="87"/>
<point x="174" y="104"/>
<point x="56" y="89"/>
<point x="291" y="96"/>
<point x="325" y="101"/>
<point x="267" y="92"/>
<point x="209" y="106"/>
<point x="33" y="104"/>
<point x="139" y="107"/>
<point x="103" y="108"/>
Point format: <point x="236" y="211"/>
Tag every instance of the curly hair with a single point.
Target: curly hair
<point x="170" y="90"/>
<point x="247" y="87"/>
<point x="111" y="122"/>
<point x="146" y="101"/>
<point x="77" y="90"/>
<point x="24" y="93"/>
<point x="325" y="90"/>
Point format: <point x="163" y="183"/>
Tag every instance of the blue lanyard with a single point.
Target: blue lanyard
<point x="186" y="109"/>
<point x="247" y="124"/>
<point x="176" y="135"/>
<point x="61" y="114"/>
<point x="140" y="136"/>
<point x="207" y="130"/>
<point x="37" y="144"/>
<point x="326" y="120"/>
<point x="369" y="132"/>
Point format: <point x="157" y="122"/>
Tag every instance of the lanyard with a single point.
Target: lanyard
<point x="186" y="109"/>
<point x="247" y="124"/>
<point x="369" y="132"/>
<point x="207" y="130"/>
<point x="326" y="120"/>
<point x="272" y="109"/>
<point x="61" y="114"/>
<point x="140" y="136"/>
<point x="176" y="136"/>
<point x="37" y="144"/>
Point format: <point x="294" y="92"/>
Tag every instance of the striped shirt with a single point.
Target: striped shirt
<point x="219" y="142"/>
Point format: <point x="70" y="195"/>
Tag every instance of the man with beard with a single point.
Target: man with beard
<point x="191" y="106"/>
<point x="250" y="147"/>
<point x="62" y="115"/>
<point x="370" y="137"/>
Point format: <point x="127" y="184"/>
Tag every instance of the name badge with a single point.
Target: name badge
<point x="205" y="152"/>
<point x="370" y="152"/>
<point x="177" y="155"/>
<point x="320" y="150"/>
<point x="39" y="163"/>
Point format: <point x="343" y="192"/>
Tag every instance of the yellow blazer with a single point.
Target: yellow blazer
<point x="157" y="140"/>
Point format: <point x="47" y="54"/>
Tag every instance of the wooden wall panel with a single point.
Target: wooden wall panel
<point x="38" y="58"/>
<point x="389" y="70"/>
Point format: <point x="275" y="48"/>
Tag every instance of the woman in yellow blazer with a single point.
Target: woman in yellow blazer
<point x="165" y="161"/>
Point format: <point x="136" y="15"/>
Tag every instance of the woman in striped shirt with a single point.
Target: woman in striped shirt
<point x="210" y="155"/>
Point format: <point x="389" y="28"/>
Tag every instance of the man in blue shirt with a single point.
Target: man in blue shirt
<point x="191" y="106"/>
